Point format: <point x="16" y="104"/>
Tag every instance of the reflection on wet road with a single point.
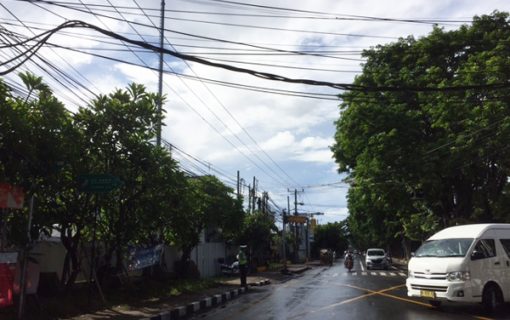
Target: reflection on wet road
<point x="333" y="293"/>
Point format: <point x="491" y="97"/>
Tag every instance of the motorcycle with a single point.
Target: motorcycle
<point x="349" y="263"/>
<point x="230" y="269"/>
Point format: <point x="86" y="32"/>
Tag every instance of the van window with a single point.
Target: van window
<point x="486" y="247"/>
<point x="506" y="245"/>
<point x="444" y="248"/>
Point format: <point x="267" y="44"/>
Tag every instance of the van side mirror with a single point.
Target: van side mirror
<point x="412" y="254"/>
<point x="477" y="255"/>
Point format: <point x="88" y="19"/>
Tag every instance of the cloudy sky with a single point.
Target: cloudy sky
<point x="223" y="121"/>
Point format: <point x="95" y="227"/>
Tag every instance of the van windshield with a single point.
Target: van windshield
<point x="444" y="248"/>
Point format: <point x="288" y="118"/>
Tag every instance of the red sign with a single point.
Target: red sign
<point x="11" y="196"/>
<point x="6" y="285"/>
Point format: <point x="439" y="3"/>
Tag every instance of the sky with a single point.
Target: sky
<point x="220" y="121"/>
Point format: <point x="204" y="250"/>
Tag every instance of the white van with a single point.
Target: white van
<point x="469" y="263"/>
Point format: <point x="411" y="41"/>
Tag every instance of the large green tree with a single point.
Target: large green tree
<point x="418" y="158"/>
<point x="257" y="233"/>
<point x="46" y="150"/>
<point x="206" y="202"/>
<point x="332" y="235"/>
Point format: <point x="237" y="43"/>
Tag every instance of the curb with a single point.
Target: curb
<point x="204" y="304"/>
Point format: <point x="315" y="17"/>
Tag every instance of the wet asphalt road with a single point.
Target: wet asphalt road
<point x="333" y="293"/>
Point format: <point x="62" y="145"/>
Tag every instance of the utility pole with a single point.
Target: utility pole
<point x="25" y="253"/>
<point x="295" y="202"/>
<point x="249" y="199"/>
<point x="254" y="192"/>
<point x="297" y="229"/>
<point x="160" y="84"/>
<point x="238" y="183"/>
<point x="284" y="253"/>
<point x="307" y="254"/>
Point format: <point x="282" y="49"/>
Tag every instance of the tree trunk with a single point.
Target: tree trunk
<point x="186" y="268"/>
<point x="72" y="263"/>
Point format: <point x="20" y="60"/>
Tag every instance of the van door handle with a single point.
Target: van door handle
<point x="497" y="263"/>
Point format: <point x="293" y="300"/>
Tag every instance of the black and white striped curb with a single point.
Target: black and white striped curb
<point x="206" y="303"/>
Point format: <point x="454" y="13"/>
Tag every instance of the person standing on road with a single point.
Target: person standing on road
<point x="243" y="264"/>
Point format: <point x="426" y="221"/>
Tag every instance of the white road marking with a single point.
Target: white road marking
<point x="393" y="274"/>
<point x="402" y="274"/>
<point x="364" y="273"/>
<point x="373" y="273"/>
<point x="335" y="275"/>
<point x="382" y="273"/>
<point x="361" y="264"/>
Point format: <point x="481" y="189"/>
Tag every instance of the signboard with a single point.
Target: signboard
<point x="11" y="196"/>
<point x="98" y="183"/>
<point x="140" y="258"/>
<point x="296" y="219"/>
<point x="9" y="257"/>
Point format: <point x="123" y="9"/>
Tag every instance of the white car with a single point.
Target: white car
<point x="469" y="263"/>
<point x="376" y="258"/>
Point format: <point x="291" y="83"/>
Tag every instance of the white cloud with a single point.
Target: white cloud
<point x="324" y="156"/>
<point x="295" y="132"/>
<point x="279" y="141"/>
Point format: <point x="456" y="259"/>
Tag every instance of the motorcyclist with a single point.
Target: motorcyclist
<point x="349" y="260"/>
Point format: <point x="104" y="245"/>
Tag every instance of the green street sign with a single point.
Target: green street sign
<point x="98" y="183"/>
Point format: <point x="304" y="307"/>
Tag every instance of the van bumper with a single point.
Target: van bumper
<point x="457" y="291"/>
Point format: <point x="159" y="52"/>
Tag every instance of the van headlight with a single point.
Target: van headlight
<point x="458" y="276"/>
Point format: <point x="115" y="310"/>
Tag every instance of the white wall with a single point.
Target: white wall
<point x="50" y="256"/>
<point x="206" y="257"/>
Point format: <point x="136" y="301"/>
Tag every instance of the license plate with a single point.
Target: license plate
<point x="428" y="294"/>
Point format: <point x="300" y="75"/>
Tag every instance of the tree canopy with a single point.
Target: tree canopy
<point x="423" y="159"/>
<point x="46" y="150"/>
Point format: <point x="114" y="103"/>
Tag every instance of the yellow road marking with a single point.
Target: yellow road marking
<point x="374" y="293"/>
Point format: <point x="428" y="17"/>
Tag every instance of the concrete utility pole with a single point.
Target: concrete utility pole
<point x="295" y="202"/>
<point x="284" y="253"/>
<point x="249" y="199"/>
<point x="309" y="216"/>
<point x="160" y="84"/>
<point x="297" y="229"/>
<point x="254" y="192"/>
<point x="238" y="183"/>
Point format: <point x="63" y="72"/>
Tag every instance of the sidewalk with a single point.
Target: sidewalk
<point x="259" y="279"/>
<point x="187" y="304"/>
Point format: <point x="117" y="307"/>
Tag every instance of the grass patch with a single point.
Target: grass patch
<point x="141" y="292"/>
<point x="275" y="266"/>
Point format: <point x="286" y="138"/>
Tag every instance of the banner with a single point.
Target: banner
<point x="11" y="196"/>
<point x="140" y="258"/>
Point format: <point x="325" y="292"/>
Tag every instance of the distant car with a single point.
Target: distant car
<point x="376" y="258"/>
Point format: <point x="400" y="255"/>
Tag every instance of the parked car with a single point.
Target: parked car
<point x="376" y="258"/>
<point x="469" y="263"/>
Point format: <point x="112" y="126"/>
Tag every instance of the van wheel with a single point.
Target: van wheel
<point x="435" y="303"/>
<point x="491" y="298"/>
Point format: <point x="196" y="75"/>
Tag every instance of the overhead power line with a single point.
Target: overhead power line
<point x="316" y="14"/>
<point x="238" y="123"/>
<point x="192" y="35"/>
<point x="264" y="75"/>
<point x="339" y="16"/>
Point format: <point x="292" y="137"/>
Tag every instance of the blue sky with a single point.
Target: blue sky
<point x="282" y="140"/>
